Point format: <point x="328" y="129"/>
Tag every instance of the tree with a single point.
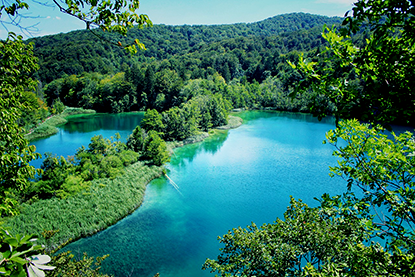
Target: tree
<point x="383" y="168"/>
<point x="17" y="66"/>
<point x="218" y="110"/>
<point x="384" y="64"/>
<point x="307" y="237"/>
<point x="136" y="140"/>
<point x="153" y="121"/>
<point x="156" y="149"/>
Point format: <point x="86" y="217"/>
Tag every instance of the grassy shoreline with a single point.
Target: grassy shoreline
<point x="106" y="202"/>
<point x="48" y="126"/>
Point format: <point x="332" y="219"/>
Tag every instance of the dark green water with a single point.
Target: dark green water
<point x="244" y="175"/>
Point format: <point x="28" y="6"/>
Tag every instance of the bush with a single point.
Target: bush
<point x="55" y="121"/>
<point x="111" y="166"/>
<point x="72" y="185"/>
<point x="129" y="157"/>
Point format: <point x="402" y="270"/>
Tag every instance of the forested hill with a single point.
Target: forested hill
<point x="242" y="46"/>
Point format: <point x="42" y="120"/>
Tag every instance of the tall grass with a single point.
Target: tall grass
<point x="106" y="202"/>
<point x="75" y="111"/>
<point x="48" y="127"/>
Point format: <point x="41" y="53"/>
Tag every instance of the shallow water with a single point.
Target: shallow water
<point x="241" y="176"/>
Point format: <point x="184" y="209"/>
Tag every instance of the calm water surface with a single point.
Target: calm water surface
<point x="241" y="176"/>
<point x="80" y="129"/>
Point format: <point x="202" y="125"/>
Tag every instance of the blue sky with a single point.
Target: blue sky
<point x="191" y="12"/>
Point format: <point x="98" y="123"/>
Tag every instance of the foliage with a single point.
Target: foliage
<point x="20" y="254"/>
<point x="152" y="121"/>
<point x="46" y="128"/>
<point x="57" y="107"/>
<point x="156" y="149"/>
<point x="43" y="130"/>
<point x="67" y="177"/>
<point x="245" y="49"/>
<point x="17" y="65"/>
<point x="136" y="140"/>
<point x="106" y="202"/>
<point x="75" y="111"/>
<point x="384" y="64"/>
<point x="37" y="111"/>
<point x="383" y="168"/>
<point x="118" y="17"/>
<point x="68" y="266"/>
<point x="306" y="236"/>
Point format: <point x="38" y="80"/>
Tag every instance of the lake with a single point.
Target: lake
<point x="80" y="129"/>
<point x="241" y="176"/>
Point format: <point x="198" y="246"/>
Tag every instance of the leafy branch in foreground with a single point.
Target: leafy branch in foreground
<point x="384" y="169"/>
<point x="384" y="64"/>
<point x="307" y="236"/>
<point x="112" y="16"/>
<point x="20" y="254"/>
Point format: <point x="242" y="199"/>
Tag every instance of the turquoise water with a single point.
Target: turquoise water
<point x="80" y="129"/>
<point x="241" y="176"/>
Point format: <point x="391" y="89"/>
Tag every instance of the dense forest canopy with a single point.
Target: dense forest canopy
<point x="80" y="51"/>
<point x="245" y="63"/>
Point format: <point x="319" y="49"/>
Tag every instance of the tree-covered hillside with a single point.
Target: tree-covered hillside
<point x="80" y="51"/>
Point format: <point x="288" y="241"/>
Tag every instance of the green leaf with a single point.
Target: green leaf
<point x="18" y="260"/>
<point x="11" y="241"/>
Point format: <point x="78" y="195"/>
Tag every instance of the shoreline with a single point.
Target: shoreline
<point x="48" y="127"/>
<point x="61" y="206"/>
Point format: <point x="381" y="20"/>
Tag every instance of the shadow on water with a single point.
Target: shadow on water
<point x="210" y="145"/>
<point x="95" y="122"/>
<point x="304" y="117"/>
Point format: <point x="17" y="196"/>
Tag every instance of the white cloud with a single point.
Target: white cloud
<point x="58" y="18"/>
<point x="48" y="17"/>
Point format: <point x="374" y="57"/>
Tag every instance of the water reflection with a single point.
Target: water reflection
<point x="95" y="122"/>
<point x="254" y="115"/>
<point x="210" y="145"/>
<point x="80" y="129"/>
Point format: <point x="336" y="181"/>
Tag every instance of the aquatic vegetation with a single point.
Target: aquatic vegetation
<point x="106" y="202"/>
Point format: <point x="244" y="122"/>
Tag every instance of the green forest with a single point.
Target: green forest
<point x="188" y="80"/>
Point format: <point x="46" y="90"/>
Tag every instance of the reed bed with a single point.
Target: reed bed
<point x="76" y="111"/>
<point x="106" y="202"/>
